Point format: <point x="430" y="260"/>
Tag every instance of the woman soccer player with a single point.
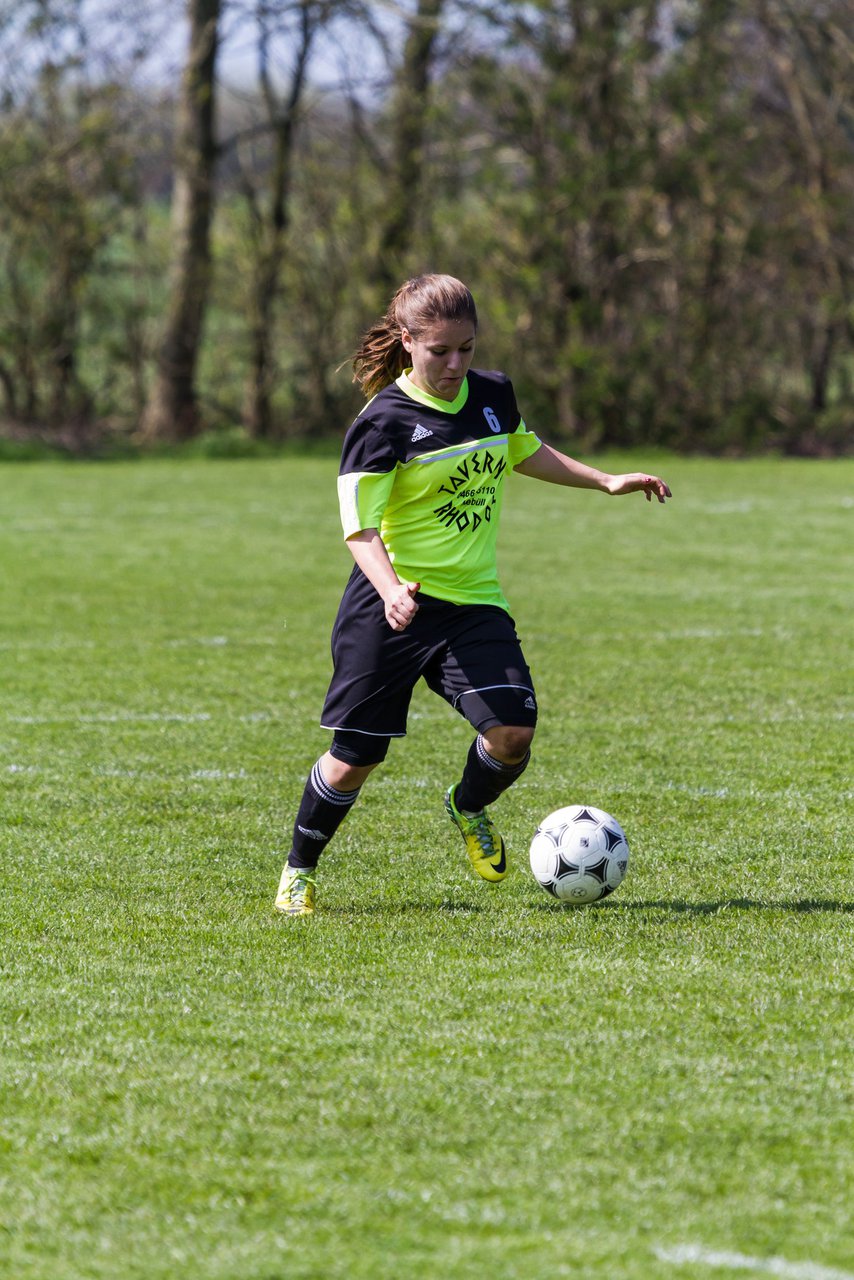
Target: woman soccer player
<point x="420" y="486"/>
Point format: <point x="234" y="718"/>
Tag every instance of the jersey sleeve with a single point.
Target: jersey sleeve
<point x="521" y="442"/>
<point x="365" y="477"/>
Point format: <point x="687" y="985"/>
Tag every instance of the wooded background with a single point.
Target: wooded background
<point x="203" y="204"/>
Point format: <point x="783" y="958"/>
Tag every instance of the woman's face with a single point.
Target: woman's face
<point x="441" y="356"/>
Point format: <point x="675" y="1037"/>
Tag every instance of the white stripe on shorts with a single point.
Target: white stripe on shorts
<point x="486" y="687"/>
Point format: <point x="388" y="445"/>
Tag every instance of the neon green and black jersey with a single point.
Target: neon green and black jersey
<point x="429" y="474"/>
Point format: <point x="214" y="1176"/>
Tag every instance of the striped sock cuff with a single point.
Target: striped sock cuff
<point x="505" y="770"/>
<point x="329" y="794"/>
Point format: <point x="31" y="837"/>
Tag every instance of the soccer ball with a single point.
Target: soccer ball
<point x="579" y="854"/>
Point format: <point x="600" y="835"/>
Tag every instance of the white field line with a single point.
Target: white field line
<point x="195" y="775"/>
<point x="64" y="644"/>
<point x="58" y="645"/>
<point x="124" y="717"/>
<point x="695" y="1253"/>
<point x="720" y="633"/>
<point x="217" y="642"/>
<point x="251" y="717"/>
<point x="744" y="506"/>
<point x="140" y="717"/>
<point x="792" y="798"/>
<point x="215" y="774"/>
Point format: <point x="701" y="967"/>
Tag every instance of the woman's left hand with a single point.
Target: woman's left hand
<point x="639" y="482"/>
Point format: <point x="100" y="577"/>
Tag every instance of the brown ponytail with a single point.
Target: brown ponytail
<point x="381" y="356"/>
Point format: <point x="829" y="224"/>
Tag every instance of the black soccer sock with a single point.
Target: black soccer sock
<point x="485" y="778"/>
<point x="321" y="813"/>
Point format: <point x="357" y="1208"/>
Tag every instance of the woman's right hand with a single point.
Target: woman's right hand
<point x="371" y="556"/>
<point x="400" y="605"/>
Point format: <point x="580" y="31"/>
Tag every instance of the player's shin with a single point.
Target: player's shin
<point x="485" y="778"/>
<point x="321" y="812"/>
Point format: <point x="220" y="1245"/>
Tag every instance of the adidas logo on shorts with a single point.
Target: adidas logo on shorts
<point x="420" y="433"/>
<point x="530" y="704"/>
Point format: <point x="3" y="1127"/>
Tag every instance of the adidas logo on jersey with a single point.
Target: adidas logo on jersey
<point x="420" y="433"/>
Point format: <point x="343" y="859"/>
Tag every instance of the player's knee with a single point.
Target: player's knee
<point x="342" y="775"/>
<point x="509" y="743"/>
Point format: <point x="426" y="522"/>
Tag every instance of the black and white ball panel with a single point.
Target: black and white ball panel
<point x="579" y="854"/>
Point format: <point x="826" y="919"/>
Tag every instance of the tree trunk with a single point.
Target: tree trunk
<point x="820" y="367"/>
<point x="172" y="409"/>
<point x="271" y="225"/>
<point x="407" y="170"/>
<point x="257" y="403"/>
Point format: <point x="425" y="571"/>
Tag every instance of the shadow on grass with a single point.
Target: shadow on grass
<point x="404" y="909"/>
<point x="806" y="906"/>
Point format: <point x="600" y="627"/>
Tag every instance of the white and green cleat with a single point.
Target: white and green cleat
<point x="484" y="845"/>
<point x="296" y="892"/>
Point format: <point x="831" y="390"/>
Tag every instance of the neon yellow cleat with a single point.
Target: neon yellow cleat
<point x="296" y="892"/>
<point x="484" y="845"/>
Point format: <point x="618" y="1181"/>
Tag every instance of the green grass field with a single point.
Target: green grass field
<point x="433" y="1078"/>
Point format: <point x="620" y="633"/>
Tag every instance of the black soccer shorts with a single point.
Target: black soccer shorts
<point x="469" y="654"/>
